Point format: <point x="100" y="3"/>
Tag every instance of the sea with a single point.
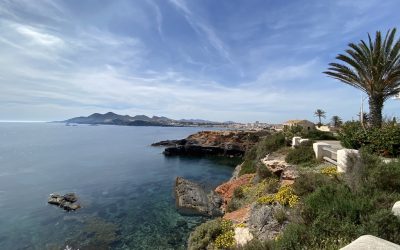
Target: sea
<point x="124" y="185"/>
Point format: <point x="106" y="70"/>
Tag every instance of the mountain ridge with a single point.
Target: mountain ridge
<point x="111" y="118"/>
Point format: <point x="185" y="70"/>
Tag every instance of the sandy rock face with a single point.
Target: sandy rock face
<point x="226" y="189"/>
<point x="242" y="236"/>
<point x="238" y="216"/>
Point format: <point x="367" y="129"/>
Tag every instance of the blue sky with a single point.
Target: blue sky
<point x="218" y="60"/>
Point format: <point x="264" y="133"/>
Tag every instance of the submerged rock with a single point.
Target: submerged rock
<point x="192" y="199"/>
<point x="67" y="201"/>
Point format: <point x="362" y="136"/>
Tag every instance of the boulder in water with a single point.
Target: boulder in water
<point x="67" y="201"/>
<point x="192" y="199"/>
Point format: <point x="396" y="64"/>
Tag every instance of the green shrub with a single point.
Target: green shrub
<point x="293" y="237"/>
<point x="280" y="215"/>
<point x="265" y="146"/>
<point x="352" y="135"/>
<point x="233" y="205"/>
<point x="291" y="131"/>
<point x="238" y="193"/>
<point x="382" y="176"/>
<point x="269" y="145"/>
<point x="318" y="135"/>
<point x="272" y="185"/>
<point x="383" y="224"/>
<point x="248" y="167"/>
<point x="308" y="182"/>
<point x="383" y="141"/>
<point x="301" y="154"/>
<point x="263" y="172"/>
<point x="205" y="234"/>
<point x="334" y="201"/>
<point x="256" y="244"/>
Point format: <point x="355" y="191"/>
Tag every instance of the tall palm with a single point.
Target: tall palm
<point x="320" y="113"/>
<point x="336" y="121"/>
<point x="374" y="68"/>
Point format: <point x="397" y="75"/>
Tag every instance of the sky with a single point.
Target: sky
<point x="222" y="60"/>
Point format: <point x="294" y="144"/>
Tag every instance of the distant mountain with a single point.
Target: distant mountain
<point x="196" y="121"/>
<point x="137" y="120"/>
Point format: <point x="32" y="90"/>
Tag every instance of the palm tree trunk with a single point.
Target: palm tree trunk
<point x="375" y="110"/>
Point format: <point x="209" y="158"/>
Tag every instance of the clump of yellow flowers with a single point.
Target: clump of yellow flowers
<point x="241" y="225"/>
<point x="284" y="196"/>
<point x="330" y="171"/>
<point x="226" y="239"/>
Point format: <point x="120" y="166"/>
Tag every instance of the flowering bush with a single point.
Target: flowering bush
<point x="285" y="196"/>
<point x="226" y="239"/>
<point x="268" y="199"/>
<point x="330" y="171"/>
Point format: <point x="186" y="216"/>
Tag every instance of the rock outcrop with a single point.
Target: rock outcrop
<point x="192" y="199"/>
<point x="286" y="172"/>
<point x="262" y="221"/>
<point x="224" y="143"/>
<point x="67" y="201"/>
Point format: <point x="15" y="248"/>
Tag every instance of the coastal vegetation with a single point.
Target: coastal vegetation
<point x="374" y="68"/>
<point x="213" y="234"/>
<point x="303" y="154"/>
<point x="383" y="141"/>
<point x="321" y="208"/>
<point x="330" y="211"/>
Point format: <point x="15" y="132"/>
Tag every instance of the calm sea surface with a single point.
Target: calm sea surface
<point x="125" y="186"/>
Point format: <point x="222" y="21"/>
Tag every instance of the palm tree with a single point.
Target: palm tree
<point x="374" y="68"/>
<point x="336" y="121"/>
<point x="320" y="113"/>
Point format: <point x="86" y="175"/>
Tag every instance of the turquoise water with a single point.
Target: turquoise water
<point x="125" y="186"/>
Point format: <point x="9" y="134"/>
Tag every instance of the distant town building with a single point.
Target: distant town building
<point x="307" y="125"/>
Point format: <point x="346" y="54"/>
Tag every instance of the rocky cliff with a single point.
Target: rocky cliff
<point x="224" y="143"/>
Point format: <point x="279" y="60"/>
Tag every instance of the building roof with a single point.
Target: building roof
<point x="297" y="121"/>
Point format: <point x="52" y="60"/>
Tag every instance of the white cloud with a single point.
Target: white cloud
<point x="203" y="29"/>
<point x="39" y="36"/>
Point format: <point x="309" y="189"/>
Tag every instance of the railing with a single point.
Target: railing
<point x="325" y="152"/>
<point x="331" y="153"/>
